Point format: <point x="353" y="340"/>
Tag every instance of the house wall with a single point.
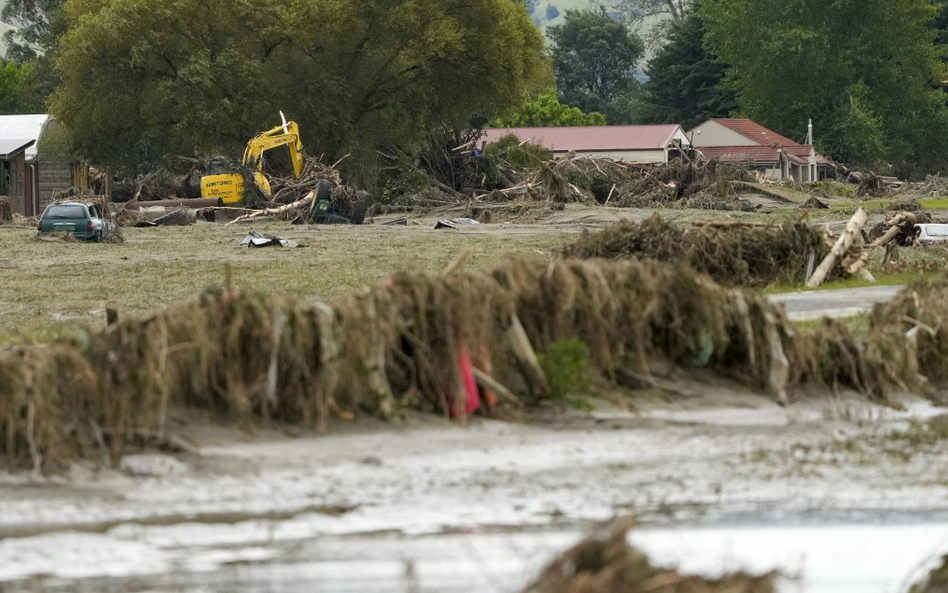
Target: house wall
<point x="629" y="156"/>
<point x="712" y="133"/>
<point x="55" y="174"/>
<point x="12" y="180"/>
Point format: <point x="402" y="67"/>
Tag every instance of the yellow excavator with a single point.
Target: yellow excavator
<point x="231" y="186"/>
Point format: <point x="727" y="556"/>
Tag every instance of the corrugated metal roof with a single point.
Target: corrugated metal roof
<point x="755" y="132"/>
<point x="593" y="138"/>
<point x="22" y="128"/>
<point x="11" y="148"/>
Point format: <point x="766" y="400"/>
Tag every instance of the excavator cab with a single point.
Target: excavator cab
<point x="231" y="186"/>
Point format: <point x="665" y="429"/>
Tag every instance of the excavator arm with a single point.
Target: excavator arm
<point x="230" y="187"/>
<point x="286" y="135"/>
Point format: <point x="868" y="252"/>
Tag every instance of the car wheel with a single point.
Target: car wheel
<point x="97" y="238"/>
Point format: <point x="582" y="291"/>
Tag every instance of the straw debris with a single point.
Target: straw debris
<point x="734" y="254"/>
<point x="6" y="213"/>
<point x="604" y="562"/>
<point x="413" y="342"/>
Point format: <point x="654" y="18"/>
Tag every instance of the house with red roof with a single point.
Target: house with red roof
<point x="633" y="144"/>
<point x="745" y="141"/>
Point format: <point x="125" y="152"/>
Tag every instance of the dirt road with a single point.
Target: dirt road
<point x="843" y="302"/>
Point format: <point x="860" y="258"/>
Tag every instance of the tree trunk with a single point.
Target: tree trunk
<point x="842" y="245"/>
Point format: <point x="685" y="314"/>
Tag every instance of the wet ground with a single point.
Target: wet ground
<point x="847" y="496"/>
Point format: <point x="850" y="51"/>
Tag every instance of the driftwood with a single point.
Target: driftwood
<point x="271" y="212"/>
<point x="901" y="225"/>
<point x="842" y="245"/>
<point x="527" y="359"/>
<point x="485" y="381"/>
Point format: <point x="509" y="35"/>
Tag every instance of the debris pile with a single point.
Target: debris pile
<point x="898" y="229"/>
<point x="936" y="581"/>
<point x="680" y="183"/>
<point x="448" y="344"/>
<point x="920" y="312"/>
<point x="733" y="254"/>
<point x="289" y="189"/>
<point x="604" y="562"/>
<point x="6" y="212"/>
<point x="870" y="185"/>
<point x="317" y="196"/>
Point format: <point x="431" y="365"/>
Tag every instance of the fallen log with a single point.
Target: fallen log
<point x="273" y="211"/>
<point x="902" y="224"/>
<point x="178" y="203"/>
<point x="485" y="381"/>
<point x="843" y="244"/>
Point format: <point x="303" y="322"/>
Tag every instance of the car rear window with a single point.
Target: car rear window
<point x="66" y="212"/>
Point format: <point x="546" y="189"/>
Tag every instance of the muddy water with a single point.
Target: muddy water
<point x="848" y="497"/>
<point x="881" y="558"/>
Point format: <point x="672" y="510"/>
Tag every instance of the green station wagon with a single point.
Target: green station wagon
<point x="83" y="220"/>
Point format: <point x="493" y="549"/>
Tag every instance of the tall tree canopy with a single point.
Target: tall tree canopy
<point x="593" y="58"/>
<point x="685" y="84"/>
<point x="547" y="111"/>
<point x="866" y="71"/>
<point x="163" y="77"/>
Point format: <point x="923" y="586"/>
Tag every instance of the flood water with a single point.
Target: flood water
<point x="842" y="558"/>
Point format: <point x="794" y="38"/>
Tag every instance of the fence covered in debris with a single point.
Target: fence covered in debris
<point x="448" y="344"/>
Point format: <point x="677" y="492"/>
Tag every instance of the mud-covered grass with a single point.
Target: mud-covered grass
<point x="49" y="288"/>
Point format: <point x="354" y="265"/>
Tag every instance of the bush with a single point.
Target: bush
<point x="566" y="366"/>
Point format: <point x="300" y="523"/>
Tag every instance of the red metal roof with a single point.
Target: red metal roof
<point x="755" y="132"/>
<point x="740" y="154"/>
<point x="592" y="138"/>
<point x="803" y="151"/>
<point x="799" y="153"/>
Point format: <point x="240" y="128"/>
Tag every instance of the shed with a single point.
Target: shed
<point x="19" y="172"/>
<point x="634" y="144"/>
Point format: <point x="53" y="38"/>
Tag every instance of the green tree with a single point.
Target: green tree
<point x="685" y="83"/>
<point x="866" y="71"/>
<point x="594" y="57"/>
<point x="17" y="92"/>
<point x="547" y="111"/>
<point x="163" y="77"/>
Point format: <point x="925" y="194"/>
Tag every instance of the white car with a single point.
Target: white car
<point x="931" y="233"/>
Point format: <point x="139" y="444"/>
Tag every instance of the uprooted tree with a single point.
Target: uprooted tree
<point x="192" y="77"/>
